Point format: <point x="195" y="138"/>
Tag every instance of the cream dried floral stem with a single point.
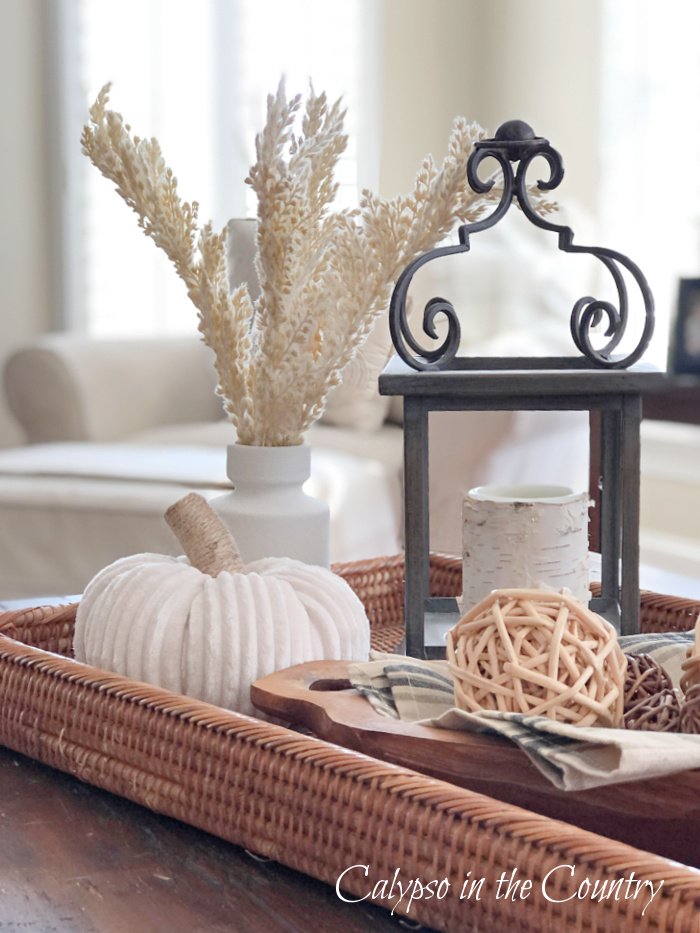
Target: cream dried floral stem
<point x="324" y="276"/>
<point x="149" y="187"/>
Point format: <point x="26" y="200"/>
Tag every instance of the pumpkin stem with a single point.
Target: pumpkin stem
<point x="206" y="541"/>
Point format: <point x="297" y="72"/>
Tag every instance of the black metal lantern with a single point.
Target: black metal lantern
<point x="597" y="380"/>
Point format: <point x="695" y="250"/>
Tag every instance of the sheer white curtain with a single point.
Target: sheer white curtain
<point x="196" y="76"/>
<point x="650" y="109"/>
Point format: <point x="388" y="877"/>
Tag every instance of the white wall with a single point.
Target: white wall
<point x="540" y="61"/>
<point x="492" y="61"/>
<point x="25" y="259"/>
<point x="427" y="51"/>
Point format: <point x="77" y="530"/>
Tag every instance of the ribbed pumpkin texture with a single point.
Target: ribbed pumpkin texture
<point x="158" y="619"/>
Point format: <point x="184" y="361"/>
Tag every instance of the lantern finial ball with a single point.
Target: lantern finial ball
<point x="516" y="138"/>
<point x="515" y="131"/>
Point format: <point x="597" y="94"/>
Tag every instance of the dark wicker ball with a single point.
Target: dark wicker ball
<point x="660" y="712"/>
<point x="644" y="678"/>
<point x="690" y="711"/>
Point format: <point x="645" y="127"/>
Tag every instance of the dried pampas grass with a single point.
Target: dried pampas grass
<point x="324" y="275"/>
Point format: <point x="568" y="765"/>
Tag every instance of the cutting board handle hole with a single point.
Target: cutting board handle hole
<point x="331" y="683"/>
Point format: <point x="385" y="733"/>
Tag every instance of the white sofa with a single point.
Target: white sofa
<point x="118" y="429"/>
<point x="669" y="527"/>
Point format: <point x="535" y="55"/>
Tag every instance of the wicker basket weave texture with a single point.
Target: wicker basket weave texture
<point x="310" y="805"/>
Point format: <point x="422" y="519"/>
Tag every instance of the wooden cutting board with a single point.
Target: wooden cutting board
<point x="661" y="815"/>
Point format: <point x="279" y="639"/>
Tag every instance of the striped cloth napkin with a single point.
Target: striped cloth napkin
<point x="572" y="757"/>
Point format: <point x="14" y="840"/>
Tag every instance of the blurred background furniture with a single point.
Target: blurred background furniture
<point x="118" y="430"/>
<point x="670" y="509"/>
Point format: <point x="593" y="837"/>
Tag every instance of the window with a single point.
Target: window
<point x="196" y="76"/>
<point x="650" y="199"/>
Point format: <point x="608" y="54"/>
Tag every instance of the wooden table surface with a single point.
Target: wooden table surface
<point x="75" y="859"/>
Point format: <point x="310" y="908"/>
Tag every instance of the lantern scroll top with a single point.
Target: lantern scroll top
<point x="514" y="147"/>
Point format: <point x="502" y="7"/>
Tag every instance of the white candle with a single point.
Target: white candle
<point x="524" y="536"/>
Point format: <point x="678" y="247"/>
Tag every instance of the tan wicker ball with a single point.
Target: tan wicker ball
<point x="691" y="666"/>
<point x="540" y="653"/>
<point x="690" y="711"/>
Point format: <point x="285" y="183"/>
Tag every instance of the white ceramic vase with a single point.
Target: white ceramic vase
<point x="268" y="512"/>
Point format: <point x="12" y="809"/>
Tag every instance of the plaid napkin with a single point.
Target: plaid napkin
<point x="669" y="649"/>
<point x="572" y="757"/>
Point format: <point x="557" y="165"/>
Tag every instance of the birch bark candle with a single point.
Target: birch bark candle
<point x="524" y="536"/>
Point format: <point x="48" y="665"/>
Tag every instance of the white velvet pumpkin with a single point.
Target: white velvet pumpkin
<point x="161" y="620"/>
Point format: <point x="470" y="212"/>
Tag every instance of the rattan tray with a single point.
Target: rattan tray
<point x="322" y="809"/>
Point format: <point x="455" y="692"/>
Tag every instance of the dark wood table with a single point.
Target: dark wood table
<point x="678" y="401"/>
<point x="75" y="859"/>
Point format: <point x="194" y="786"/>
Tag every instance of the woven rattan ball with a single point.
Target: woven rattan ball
<point x="660" y="712"/>
<point x="691" y="671"/>
<point x="644" y="678"/>
<point x="541" y="653"/>
<point x="690" y="711"/>
<point x="691" y="665"/>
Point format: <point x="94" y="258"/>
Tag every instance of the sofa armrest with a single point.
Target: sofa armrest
<point x="69" y="387"/>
